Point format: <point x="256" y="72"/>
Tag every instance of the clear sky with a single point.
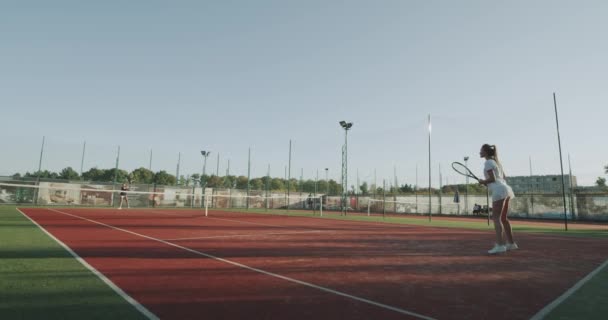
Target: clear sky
<point x="185" y="76"/>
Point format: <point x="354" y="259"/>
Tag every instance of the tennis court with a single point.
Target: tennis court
<point x="181" y="264"/>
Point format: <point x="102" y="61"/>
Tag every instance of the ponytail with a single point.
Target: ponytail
<point x="493" y="154"/>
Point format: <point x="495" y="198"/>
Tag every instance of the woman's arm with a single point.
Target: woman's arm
<point x="491" y="178"/>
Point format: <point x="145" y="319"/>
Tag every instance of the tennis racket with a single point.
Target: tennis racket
<point x="463" y="170"/>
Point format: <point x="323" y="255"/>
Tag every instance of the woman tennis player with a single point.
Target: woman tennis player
<point x="501" y="196"/>
<point x="123" y="195"/>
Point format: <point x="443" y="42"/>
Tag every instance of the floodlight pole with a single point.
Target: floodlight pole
<point x="179" y="158"/>
<point x="416" y="188"/>
<point x="326" y="182"/>
<point x="430" y="192"/>
<point x="205" y="154"/>
<point x="561" y="163"/>
<point x="39" y="168"/>
<point x="466" y="187"/>
<point x="347" y="126"/>
<point x="571" y="189"/>
<point x="115" y="173"/>
<point x="248" y="175"/>
<point x="289" y="177"/>
<point x="84" y="147"/>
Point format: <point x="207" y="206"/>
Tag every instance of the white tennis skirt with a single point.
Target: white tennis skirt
<point x="500" y="190"/>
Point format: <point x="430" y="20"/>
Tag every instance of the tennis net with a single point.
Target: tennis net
<point x="422" y="207"/>
<point x="142" y="196"/>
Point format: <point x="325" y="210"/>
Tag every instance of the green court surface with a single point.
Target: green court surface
<point x="41" y="280"/>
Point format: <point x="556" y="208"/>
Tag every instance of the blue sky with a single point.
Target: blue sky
<point x="225" y="76"/>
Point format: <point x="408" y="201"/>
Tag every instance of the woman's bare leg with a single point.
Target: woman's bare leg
<point x="505" y="221"/>
<point x="497" y="207"/>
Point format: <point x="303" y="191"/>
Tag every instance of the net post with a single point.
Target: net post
<point x="206" y="207"/>
<point x="321" y="207"/>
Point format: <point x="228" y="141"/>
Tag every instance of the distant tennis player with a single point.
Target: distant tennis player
<point x="123" y="195"/>
<point x="501" y="196"/>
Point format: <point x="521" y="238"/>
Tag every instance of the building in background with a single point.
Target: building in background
<point x="540" y="184"/>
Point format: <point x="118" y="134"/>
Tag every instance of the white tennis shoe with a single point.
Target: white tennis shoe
<point x="498" y="249"/>
<point x="511" y="246"/>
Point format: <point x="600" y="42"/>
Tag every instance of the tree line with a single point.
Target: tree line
<point x="162" y="178"/>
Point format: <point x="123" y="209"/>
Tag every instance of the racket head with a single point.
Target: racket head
<point x="463" y="170"/>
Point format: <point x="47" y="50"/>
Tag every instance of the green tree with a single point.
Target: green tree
<point x="308" y="186"/>
<point x="277" y="184"/>
<point x="229" y="182"/>
<point x="256" y="184"/>
<point x="195" y="176"/>
<point x="322" y="187"/>
<point x="43" y="175"/>
<point x="183" y="181"/>
<point x="405" y="188"/>
<point x="606" y="169"/>
<point x="601" y="182"/>
<point x="142" y="175"/>
<point x="110" y="174"/>
<point x="164" y="178"/>
<point x="364" y="188"/>
<point x="69" y="174"/>
<point x="241" y="182"/>
<point x="214" y="182"/>
<point x="94" y="174"/>
<point x="334" y="188"/>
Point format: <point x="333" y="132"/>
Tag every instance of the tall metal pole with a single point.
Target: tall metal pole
<point x="395" y="178"/>
<point x="150" y="166"/>
<point x="179" y="158"/>
<point x="440" y="186"/>
<point x="466" y="187"/>
<point x="205" y="154"/>
<point x="39" y="168"/>
<point x="84" y="147"/>
<point x="559" y="143"/>
<point x="115" y="174"/>
<point x="248" y="175"/>
<point x="375" y="185"/>
<point x="345" y="171"/>
<point x="204" y="166"/>
<point x="116" y="168"/>
<point x="289" y="176"/>
<point x="416" y="188"/>
<point x="430" y="192"/>
<point x="357" y="190"/>
<point x="531" y="188"/>
<point x="267" y="186"/>
<point x="383" y="197"/>
<point x="316" y="182"/>
<point x="40" y="160"/>
<point x="285" y="181"/>
<point x="326" y="182"/>
<point x="571" y="189"/>
<point x="217" y="169"/>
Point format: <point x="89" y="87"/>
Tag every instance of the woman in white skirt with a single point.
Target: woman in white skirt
<point x="501" y="196"/>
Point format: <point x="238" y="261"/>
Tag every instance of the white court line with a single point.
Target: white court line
<point x="100" y="275"/>
<point x="304" y="283"/>
<point x="230" y="220"/>
<point x="244" y="235"/>
<point x="547" y="309"/>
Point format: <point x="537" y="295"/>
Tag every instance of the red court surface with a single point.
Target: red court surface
<point x="181" y="265"/>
